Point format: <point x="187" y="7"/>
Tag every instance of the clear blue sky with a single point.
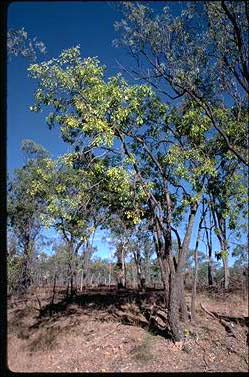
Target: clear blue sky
<point x="60" y="25"/>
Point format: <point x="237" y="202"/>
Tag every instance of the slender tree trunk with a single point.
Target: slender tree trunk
<point x="208" y="233"/>
<point x="193" y="296"/>
<point x="220" y="224"/>
<point x="147" y="265"/>
<point x="226" y="271"/>
<point x="25" y="280"/>
<point x="123" y="268"/>
<point x="210" y="273"/>
<point x="120" y="275"/>
<point x="109" y="275"/>
<point x="138" y="262"/>
<point x="81" y="280"/>
<point x="195" y="277"/>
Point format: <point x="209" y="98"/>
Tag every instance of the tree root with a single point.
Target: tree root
<point x="226" y="320"/>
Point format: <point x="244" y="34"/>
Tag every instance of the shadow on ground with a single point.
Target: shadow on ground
<point x="111" y="302"/>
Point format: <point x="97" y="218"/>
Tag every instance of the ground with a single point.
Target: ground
<point x="85" y="335"/>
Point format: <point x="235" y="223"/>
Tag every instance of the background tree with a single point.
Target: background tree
<point x="19" y="44"/>
<point x="24" y="211"/>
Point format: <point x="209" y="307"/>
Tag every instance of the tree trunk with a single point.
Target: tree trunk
<point x="165" y="278"/>
<point x="226" y="271"/>
<point x="162" y="251"/>
<point x="123" y="268"/>
<point x="210" y="273"/>
<point x="138" y="262"/>
<point x="176" y="283"/>
<point x="120" y="274"/>
<point x="182" y="301"/>
<point x="174" y="319"/>
<point x="81" y="280"/>
<point x="220" y="223"/>
<point x="147" y="264"/>
<point x="193" y="296"/>
<point x="25" y="280"/>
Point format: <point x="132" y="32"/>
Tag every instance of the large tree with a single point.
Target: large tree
<point x="143" y="139"/>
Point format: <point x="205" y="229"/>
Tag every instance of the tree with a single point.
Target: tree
<point x="200" y="55"/>
<point x="72" y="207"/>
<point x="228" y="204"/>
<point x="24" y="210"/>
<point x="105" y="115"/>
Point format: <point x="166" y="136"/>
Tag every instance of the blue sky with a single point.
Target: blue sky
<point x="60" y="25"/>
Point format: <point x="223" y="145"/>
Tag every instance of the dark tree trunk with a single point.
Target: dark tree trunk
<point x="120" y="267"/>
<point x="25" y="280"/>
<point x="210" y="273"/>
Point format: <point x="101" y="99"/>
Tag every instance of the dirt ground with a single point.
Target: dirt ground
<point x="86" y="337"/>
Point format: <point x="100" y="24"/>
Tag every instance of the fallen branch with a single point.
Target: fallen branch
<point x="208" y="312"/>
<point x="224" y="320"/>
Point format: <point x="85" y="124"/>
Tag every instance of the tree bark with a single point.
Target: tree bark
<point x="174" y="319"/>
<point x="226" y="271"/>
<point x="193" y="295"/>
<point x="120" y="274"/>
<point x="182" y="257"/>
<point x="25" y="276"/>
<point x="138" y="262"/>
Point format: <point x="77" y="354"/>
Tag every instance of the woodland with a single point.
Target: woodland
<point x="158" y="160"/>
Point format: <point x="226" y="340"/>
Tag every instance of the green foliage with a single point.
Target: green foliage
<point x="14" y="268"/>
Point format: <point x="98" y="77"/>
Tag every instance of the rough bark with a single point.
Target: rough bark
<point x="182" y="258"/>
<point x="173" y="310"/>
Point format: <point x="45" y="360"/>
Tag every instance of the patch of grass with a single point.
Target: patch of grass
<point x="45" y="341"/>
<point x="23" y="334"/>
<point x="18" y="329"/>
<point x="143" y="352"/>
<point x="207" y="329"/>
